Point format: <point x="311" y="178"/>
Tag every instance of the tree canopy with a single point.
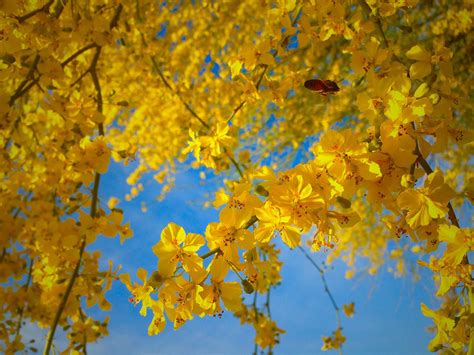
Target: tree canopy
<point x="331" y="126"/>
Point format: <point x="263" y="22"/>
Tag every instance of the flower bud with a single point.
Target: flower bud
<point x="248" y="288"/>
<point x="421" y="90"/>
<point x="344" y="202"/>
<point x="261" y="190"/>
<point x="434" y="98"/>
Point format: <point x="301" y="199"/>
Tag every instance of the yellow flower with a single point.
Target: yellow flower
<point x="348" y="309"/>
<point x="333" y="342"/>
<point x="267" y="332"/>
<point x="158" y="322"/>
<point x="421" y="209"/>
<point x="182" y="300"/>
<point x="422" y="66"/>
<point x="174" y="247"/>
<point x="229" y="292"/>
<point x="271" y="220"/>
<point x="444" y="326"/>
<point x="96" y="154"/>
<point x="374" y="57"/>
<point x="427" y="203"/>
<point x="229" y="236"/>
<point x="297" y="198"/>
<point x="397" y="142"/>
<point x="459" y="243"/>
<point x="220" y="139"/>
<point x="141" y="293"/>
<point x="342" y="155"/>
<point x="194" y="145"/>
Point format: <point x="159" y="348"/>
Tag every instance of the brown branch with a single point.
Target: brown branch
<point x="428" y="170"/>
<point x="189" y="108"/>
<point x="95" y="194"/>
<point x="210" y="253"/>
<point x="22" y="310"/>
<point x="23" y="88"/>
<point x="44" y="8"/>
<point x="84" y="335"/>
<point x="451" y="213"/>
<point x="15" y="215"/>
<point x="250" y="222"/>
<point x="2" y="256"/>
<point x="57" y="12"/>
<point x="95" y="80"/>
<point x="59" y="8"/>
<point x="20" y="90"/>
<point x="91" y="70"/>
<point x="115" y="18"/>
<point x="76" y="54"/>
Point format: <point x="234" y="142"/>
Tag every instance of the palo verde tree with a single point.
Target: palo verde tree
<point x="379" y="90"/>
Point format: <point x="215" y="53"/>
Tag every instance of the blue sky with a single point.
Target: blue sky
<point x="387" y="318"/>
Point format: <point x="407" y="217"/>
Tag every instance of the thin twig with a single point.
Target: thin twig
<point x="255" y="309"/>
<point x="368" y="12"/>
<point x="19" y="91"/>
<point x="44" y="8"/>
<point x="84" y="334"/>
<point x="175" y="92"/>
<point x="76" y="54"/>
<point x="23" y="87"/>
<point x="267" y="303"/>
<point x="15" y="215"/>
<point x="325" y="284"/>
<point x="236" y="165"/>
<point x="22" y="310"/>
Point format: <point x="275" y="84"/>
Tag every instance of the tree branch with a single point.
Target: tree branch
<point x="255" y="309"/>
<point x="95" y="194"/>
<point x="175" y="92"/>
<point x="20" y="90"/>
<point x="44" y="8"/>
<point x="368" y="12"/>
<point x="84" y="335"/>
<point x="76" y="54"/>
<point x="22" y="310"/>
<point x="264" y="71"/>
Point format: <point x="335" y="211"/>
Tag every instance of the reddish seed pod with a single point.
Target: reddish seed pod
<point x="323" y="87"/>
